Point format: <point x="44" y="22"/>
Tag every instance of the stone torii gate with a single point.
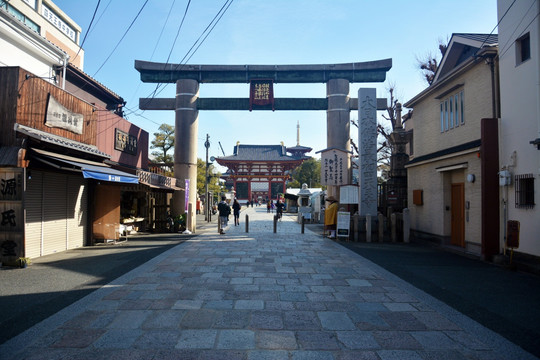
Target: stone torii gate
<point x="187" y="103"/>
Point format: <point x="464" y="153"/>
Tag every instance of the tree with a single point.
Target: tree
<point x="429" y="63"/>
<point x="309" y="172"/>
<point x="213" y="178"/>
<point x="163" y="142"/>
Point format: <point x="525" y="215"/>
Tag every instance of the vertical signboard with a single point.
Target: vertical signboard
<point x="11" y="209"/>
<point x="334" y="167"/>
<point x="367" y="148"/>
<point x="261" y="93"/>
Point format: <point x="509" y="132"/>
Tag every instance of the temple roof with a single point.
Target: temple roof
<point x="258" y="153"/>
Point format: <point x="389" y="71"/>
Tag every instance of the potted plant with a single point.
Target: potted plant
<point x="23" y="262"/>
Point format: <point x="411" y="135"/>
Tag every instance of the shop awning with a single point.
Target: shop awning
<point x="89" y="170"/>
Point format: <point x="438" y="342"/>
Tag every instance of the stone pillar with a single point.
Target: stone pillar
<point x="338" y="122"/>
<point x="367" y="147"/>
<point x="185" y="143"/>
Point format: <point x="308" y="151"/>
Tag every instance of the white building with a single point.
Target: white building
<point x="519" y="53"/>
<point x="39" y="37"/>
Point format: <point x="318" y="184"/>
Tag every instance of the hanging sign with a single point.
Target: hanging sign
<point x="261" y="93"/>
<point x="59" y="117"/>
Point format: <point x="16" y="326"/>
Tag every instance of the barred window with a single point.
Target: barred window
<point x="524" y="186"/>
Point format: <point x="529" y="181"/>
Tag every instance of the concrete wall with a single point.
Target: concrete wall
<point x="520" y="116"/>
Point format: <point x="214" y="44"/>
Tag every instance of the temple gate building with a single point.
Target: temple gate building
<point x="260" y="172"/>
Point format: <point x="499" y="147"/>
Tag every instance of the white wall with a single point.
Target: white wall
<point x="520" y="115"/>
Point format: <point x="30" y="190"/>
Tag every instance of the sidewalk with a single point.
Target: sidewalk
<point x="259" y="295"/>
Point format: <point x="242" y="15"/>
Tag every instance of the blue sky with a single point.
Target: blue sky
<point x="275" y="32"/>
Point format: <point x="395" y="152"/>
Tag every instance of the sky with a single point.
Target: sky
<point x="265" y="32"/>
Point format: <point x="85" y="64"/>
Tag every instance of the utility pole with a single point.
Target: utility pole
<point x="207" y="205"/>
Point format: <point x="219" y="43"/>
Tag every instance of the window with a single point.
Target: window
<point x="523" y="48"/>
<point x="456" y="97"/>
<point x="19" y="16"/>
<point x="524" y="191"/>
<point x="462" y="112"/>
<point x="452" y="112"/>
<point x="442" y="118"/>
<point x="446" y="115"/>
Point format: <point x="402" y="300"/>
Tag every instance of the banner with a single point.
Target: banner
<point x="261" y="93"/>
<point x="186" y="196"/>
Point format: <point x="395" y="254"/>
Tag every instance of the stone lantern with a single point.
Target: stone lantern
<point x="304" y="207"/>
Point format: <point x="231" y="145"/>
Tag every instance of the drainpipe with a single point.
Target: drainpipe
<point x="66" y="60"/>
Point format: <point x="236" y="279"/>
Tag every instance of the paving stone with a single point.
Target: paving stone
<point x="317" y="340"/>
<point x="234" y="319"/>
<point x="236" y="339"/>
<point x="158" y="339"/>
<point x="198" y="319"/>
<point x="402" y="321"/>
<point x="188" y="304"/>
<point x="249" y="305"/>
<point x="266" y="320"/>
<point x="276" y="340"/>
<point x="164" y="319"/>
<point x="78" y="338"/>
<point x="197" y="339"/>
<point x="356" y="340"/>
<point x="400" y="307"/>
<point x="312" y="355"/>
<point x="301" y="320"/>
<point x="333" y="320"/>
<point x="398" y="355"/>
<point x="268" y="355"/>
<point x="396" y="340"/>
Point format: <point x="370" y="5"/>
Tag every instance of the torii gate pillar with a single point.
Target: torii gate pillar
<point x="185" y="145"/>
<point x="338" y="123"/>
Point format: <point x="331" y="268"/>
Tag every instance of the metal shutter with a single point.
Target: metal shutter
<point x="33" y="226"/>
<point x="76" y="211"/>
<point x="54" y="213"/>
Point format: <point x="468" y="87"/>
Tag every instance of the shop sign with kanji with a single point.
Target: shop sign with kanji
<point x="261" y="94"/>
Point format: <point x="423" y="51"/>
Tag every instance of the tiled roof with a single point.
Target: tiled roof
<point x="258" y="153"/>
<point x="487" y="39"/>
<point x="59" y="140"/>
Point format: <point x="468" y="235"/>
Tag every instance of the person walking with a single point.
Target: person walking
<point x="236" y="212"/>
<point x="268" y="206"/>
<point x="224" y="211"/>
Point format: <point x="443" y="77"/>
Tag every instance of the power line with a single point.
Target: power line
<point x="503" y="50"/>
<point x="218" y="16"/>
<point x="89" y="27"/>
<point x="122" y="38"/>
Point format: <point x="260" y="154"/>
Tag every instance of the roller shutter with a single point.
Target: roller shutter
<point x="34" y="213"/>
<point x="77" y="204"/>
<point x="54" y="213"/>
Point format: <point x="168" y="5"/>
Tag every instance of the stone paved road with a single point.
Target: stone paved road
<point x="259" y="295"/>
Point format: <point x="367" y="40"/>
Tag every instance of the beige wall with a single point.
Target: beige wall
<point x="427" y="130"/>
<point x="434" y="216"/>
